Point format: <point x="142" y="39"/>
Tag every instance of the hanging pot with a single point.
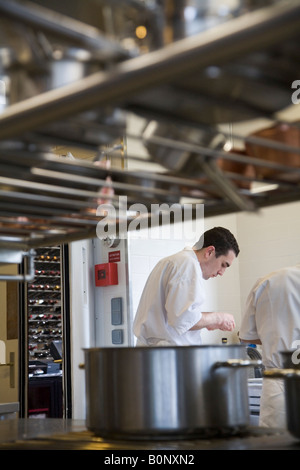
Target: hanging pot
<point x="166" y="391"/>
<point x="286" y="134"/>
<point x="238" y="168"/>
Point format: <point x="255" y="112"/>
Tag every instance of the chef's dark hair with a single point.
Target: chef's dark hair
<point x="221" y="238"/>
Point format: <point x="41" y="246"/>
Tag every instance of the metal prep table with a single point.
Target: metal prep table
<point x="60" y="434"/>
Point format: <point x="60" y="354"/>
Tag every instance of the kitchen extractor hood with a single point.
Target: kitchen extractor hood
<point x="189" y="93"/>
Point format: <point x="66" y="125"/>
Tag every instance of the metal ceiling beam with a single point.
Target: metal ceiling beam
<point x="64" y="26"/>
<point x="233" y="39"/>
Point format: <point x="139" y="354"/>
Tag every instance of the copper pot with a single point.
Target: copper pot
<point x="242" y="169"/>
<point x="283" y="133"/>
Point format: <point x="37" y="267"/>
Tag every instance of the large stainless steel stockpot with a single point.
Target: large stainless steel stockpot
<point x="291" y="375"/>
<point x="166" y="391"/>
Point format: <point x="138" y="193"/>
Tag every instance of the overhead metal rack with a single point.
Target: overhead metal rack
<point x="239" y="70"/>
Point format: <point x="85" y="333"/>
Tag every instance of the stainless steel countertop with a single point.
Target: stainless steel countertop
<point x="6" y="408"/>
<point x="60" y="434"/>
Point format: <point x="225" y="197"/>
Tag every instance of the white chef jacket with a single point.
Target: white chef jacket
<point x="171" y="302"/>
<point x="272" y="315"/>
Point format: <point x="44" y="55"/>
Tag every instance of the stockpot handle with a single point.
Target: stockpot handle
<point x="238" y="363"/>
<point x="281" y="374"/>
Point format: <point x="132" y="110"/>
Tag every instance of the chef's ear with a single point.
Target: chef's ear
<point x="210" y="250"/>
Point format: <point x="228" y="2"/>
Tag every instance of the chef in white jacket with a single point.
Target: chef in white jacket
<point x="170" y="308"/>
<point x="272" y="319"/>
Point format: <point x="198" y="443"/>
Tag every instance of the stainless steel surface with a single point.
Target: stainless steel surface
<point x="240" y="69"/>
<point x="291" y="376"/>
<point x="9" y="410"/>
<point x="55" y="434"/>
<point x="230" y="41"/>
<point x="147" y="392"/>
<point x="11" y="365"/>
<point x="17" y="257"/>
<point x="64" y="26"/>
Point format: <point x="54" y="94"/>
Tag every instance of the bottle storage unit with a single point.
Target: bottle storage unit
<point x="44" y="304"/>
<point x="44" y="334"/>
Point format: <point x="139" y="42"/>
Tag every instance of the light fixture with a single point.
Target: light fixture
<point x="141" y="32"/>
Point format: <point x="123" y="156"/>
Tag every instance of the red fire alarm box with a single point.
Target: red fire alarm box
<point x="106" y="274"/>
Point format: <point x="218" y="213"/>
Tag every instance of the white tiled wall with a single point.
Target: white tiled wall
<point x="268" y="240"/>
<point x="223" y="293"/>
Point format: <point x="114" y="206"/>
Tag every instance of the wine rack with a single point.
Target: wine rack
<point x="44" y="303"/>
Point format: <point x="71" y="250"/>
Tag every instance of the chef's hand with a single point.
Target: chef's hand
<point x="224" y="322"/>
<point x="227" y="322"/>
<point x="216" y="321"/>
